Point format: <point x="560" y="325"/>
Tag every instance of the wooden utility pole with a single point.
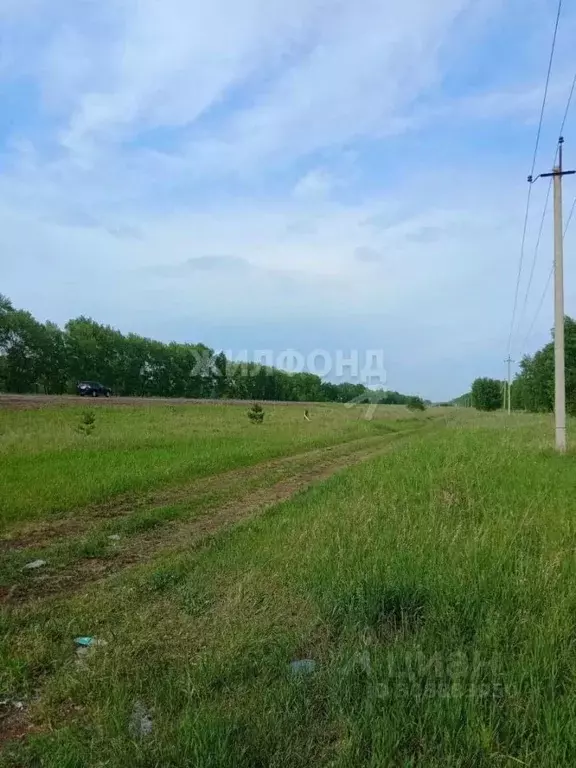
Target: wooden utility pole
<point x="508" y="391"/>
<point x="559" y="366"/>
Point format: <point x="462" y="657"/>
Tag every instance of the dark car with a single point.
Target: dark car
<point x="92" y="389"/>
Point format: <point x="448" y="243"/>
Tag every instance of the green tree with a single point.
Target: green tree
<point x="22" y="338"/>
<point x="53" y="362"/>
<point x="329" y="392"/>
<point x="221" y="374"/>
<point x="416" y="404"/>
<point x="256" y="414"/>
<point x="464" y="401"/>
<point x="533" y="387"/>
<point x="487" y="394"/>
<point x="6" y="310"/>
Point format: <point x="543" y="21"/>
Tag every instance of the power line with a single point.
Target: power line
<point x="566" y="111"/>
<point x="571" y="214"/>
<point x="537" y="145"/>
<point x="568" y="103"/>
<point x="548" y="281"/>
<point x="522" y="246"/>
<point x="546" y="87"/>
<point x="569" y="219"/>
<point x="560" y="133"/>
<point x="540" y="305"/>
<point x="535" y="257"/>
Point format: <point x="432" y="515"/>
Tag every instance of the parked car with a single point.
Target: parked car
<point x="92" y="389"/>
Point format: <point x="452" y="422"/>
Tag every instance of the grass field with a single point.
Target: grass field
<point x="432" y="581"/>
<point x="49" y="468"/>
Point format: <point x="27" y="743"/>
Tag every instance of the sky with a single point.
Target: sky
<point x="342" y="175"/>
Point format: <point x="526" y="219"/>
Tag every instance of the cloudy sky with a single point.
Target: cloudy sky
<point x="272" y="174"/>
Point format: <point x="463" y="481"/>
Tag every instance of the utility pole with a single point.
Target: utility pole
<point x="557" y="174"/>
<point x="509" y="405"/>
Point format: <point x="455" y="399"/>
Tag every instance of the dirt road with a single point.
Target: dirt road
<point x="24" y="402"/>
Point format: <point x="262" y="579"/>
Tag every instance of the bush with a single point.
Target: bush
<point x="487" y="394"/>
<point x="415" y="404"/>
<point x="256" y="414"/>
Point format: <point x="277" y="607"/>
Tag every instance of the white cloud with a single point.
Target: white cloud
<point x="317" y="72"/>
<point x="315" y="184"/>
<point x="522" y="102"/>
<point x="258" y="263"/>
<point x="369" y="62"/>
<point x="176" y="59"/>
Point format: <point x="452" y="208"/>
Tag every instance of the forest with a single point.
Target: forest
<point x="533" y="386"/>
<point x="38" y="357"/>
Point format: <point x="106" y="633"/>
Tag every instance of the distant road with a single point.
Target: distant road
<point x="40" y="401"/>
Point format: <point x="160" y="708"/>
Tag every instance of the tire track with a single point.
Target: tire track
<point x="193" y="533"/>
<point x="82" y="521"/>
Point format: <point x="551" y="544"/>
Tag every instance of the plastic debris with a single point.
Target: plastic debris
<point x="86" y="646"/>
<point x="303" y="666"/>
<point x="114" y="537"/>
<point x="85" y="642"/>
<point x="140" y="721"/>
<point x="89" y="642"/>
<point x="34" y="564"/>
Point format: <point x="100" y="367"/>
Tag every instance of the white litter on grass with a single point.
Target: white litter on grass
<point x="303" y="666"/>
<point x="34" y="564"/>
<point x="114" y="537"/>
<point x="140" y="721"/>
<point x="11" y="703"/>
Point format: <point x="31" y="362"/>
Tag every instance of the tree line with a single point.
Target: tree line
<point x="44" y="358"/>
<point x="533" y="386"/>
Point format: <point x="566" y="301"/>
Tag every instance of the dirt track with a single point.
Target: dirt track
<point x="284" y="477"/>
<point x="24" y="402"/>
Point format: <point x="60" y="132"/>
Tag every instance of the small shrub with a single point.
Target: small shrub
<point x="256" y="414"/>
<point x="87" y="423"/>
<point x="416" y="404"/>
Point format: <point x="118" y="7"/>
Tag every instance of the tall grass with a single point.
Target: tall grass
<point x="434" y="587"/>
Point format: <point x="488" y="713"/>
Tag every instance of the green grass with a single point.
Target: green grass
<point x="49" y="468"/>
<point x="89" y="536"/>
<point x="435" y="587"/>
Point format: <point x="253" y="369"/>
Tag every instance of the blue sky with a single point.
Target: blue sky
<point x="265" y="174"/>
